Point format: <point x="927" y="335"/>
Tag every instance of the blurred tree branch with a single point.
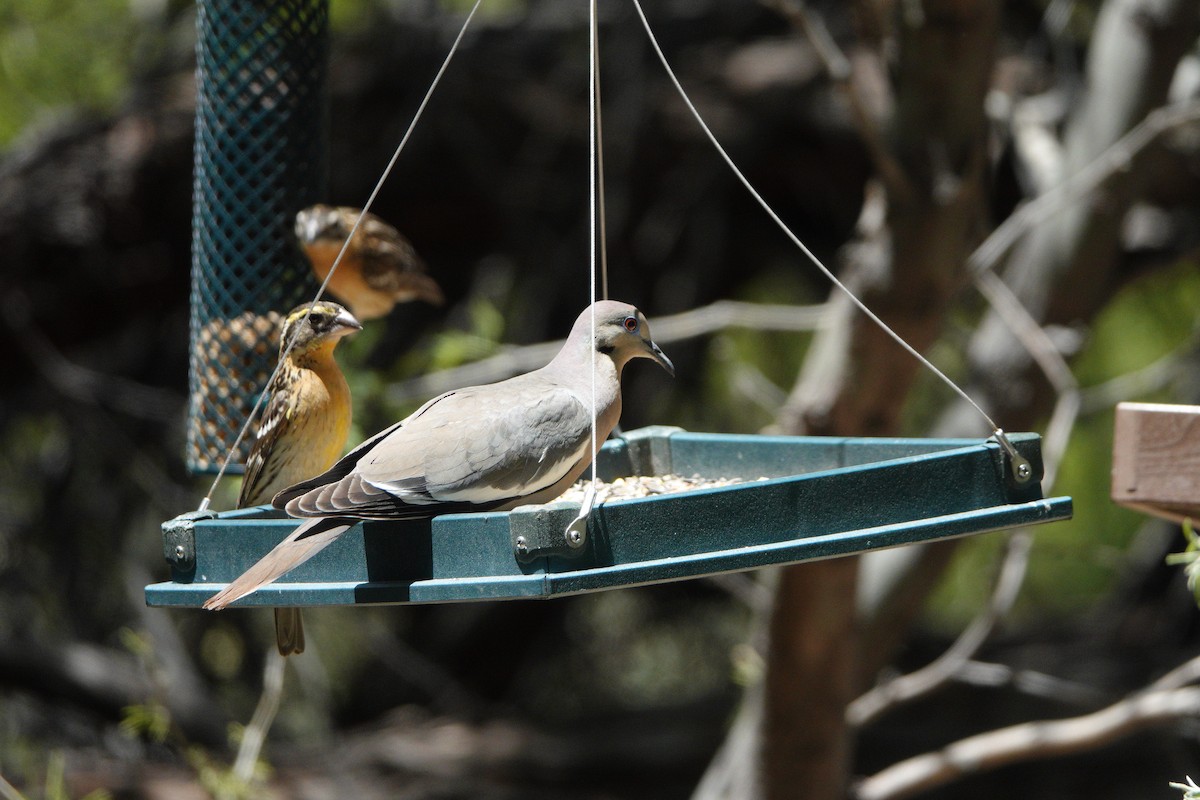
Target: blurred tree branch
<point x="1063" y="272"/>
<point x="1114" y="160"/>
<point x="848" y="76"/>
<point x="949" y="664"/>
<point x="692" y="324"/>
<point x="79" y="382"/>
<point x="105" y="680"/>
<point x="1029" y="741"/>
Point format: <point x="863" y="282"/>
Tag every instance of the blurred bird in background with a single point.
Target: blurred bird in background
<point x="380" y="268"/>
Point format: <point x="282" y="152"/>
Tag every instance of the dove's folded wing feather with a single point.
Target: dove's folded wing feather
<point x="471" y="449"/>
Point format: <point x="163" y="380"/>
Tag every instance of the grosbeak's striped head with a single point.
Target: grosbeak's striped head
<point x="327" y="322"/>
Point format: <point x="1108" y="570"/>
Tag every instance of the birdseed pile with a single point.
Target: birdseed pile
<point x="636" y="486"/>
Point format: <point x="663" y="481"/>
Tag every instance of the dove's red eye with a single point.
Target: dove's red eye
<point x="631" y="324"/>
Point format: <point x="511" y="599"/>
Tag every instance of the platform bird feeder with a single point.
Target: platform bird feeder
<point x="799" y="499"/>
<point x="259" y="158"/>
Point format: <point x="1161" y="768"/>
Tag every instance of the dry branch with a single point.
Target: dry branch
<point x="1030" y="682"/>
<point x="840" y="70"/>
<point x="1029" y="741"/>
<point x="255" y="734"/>
<point x="943" y="669"/>
<point x="1186" y="673"/>
<point x="692" y="324"/>
<point x="1115" y="159"/>
<point x="101" y="679"/>
<point x="1064" y="272"/>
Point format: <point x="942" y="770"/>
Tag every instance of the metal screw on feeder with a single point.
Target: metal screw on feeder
<point x="576" y="533"/>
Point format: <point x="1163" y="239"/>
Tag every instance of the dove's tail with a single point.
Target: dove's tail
<point x="303" y="543"/>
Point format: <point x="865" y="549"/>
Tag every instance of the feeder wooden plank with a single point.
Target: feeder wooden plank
<point x="1156" y="459"/>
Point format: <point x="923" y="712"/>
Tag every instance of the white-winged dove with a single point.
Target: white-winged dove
<point x="494" y="447"/>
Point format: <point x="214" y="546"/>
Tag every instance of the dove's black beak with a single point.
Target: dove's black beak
<point x="655" y="352"/>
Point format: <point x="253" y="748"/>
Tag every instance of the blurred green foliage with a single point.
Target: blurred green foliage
<point x="63" y="54"/>
<point x="1073" y="563"/>
<point x="454" y="347"/>
<point x="748" y="373"/>
<point x="51" y="783"/>
<point x="218" y="779"/>
<point x="1189" y="559"/>
<point x="348" y="16"/>
<point x="73" y="56"/>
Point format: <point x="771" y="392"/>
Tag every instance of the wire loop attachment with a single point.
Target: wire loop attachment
<point x="576" y="532"/>
<point x="1022" y="470"/>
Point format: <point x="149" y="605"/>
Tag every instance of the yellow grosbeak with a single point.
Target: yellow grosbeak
<point x="304" y="427"/>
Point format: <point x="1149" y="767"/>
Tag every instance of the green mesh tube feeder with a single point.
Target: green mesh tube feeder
<point x="261" y="129"/>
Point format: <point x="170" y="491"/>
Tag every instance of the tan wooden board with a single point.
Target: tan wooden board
<point x="1156" y="459"/>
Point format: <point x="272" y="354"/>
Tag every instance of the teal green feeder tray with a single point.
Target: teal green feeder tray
<point x="824" y="497"/>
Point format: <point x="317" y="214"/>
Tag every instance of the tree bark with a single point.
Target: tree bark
<point x="809" y="681"/>
<point x="910" y="271"/>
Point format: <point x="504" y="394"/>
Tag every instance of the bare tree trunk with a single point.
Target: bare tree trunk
<point x="809" y="681"/>
<point x="934" y="214"/>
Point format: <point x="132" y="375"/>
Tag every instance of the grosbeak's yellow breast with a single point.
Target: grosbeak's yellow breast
<point x="304" y="429"/>
<point x="324" y="411"/>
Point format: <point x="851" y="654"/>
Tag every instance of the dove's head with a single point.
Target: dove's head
<point x="324" y="325"/>
<point x="622" y="333"/>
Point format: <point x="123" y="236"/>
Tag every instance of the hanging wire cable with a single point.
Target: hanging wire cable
<point x="593" y="206"/>
<point x="997" y="431"/>
<point x="576" y="532"/>
<point x="599" y="149"/>
<point x="341" y="253"/>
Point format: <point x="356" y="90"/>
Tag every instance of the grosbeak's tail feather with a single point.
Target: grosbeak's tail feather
<point x="289" y="631"/>
<point x="426" y="288"/>
<point x="303" y="543"/>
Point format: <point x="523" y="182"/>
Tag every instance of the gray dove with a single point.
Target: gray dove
<point x="483" y="448"/>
